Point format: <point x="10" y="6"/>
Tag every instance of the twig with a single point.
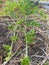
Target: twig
<point x="38" y="56"/>
<point x="44" y="51"/>
<point x="46" y="58"/>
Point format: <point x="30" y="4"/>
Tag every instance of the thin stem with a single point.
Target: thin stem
<point x="11" y="47"/>
<point x="13" y="35"/>
<point x="12" y="41"/>
<point x="26" y="38"/>
<point x="26" y="50"/>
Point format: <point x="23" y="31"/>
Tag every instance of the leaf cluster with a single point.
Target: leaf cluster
<point x="25" y="61"/>
<point x="7" y="48"/>
<point x="11" y="26"/>
<point x="26" y="7"/>
<point x="9" y="8"/>
<point x="30" y="37"/>
<point x="14" y="38"/>
<point x="32" y="23"/>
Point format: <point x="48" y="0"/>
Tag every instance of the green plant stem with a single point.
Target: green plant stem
<point x="13" y="35"/>
<point x="26" y="38"/>
<point x="26" y="50"/>
<point x="13" y="41"/>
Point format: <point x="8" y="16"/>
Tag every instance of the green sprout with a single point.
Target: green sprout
<point x="30" y="36"/>
<point x="7" y="48"/>
<point x="25" y="61"/>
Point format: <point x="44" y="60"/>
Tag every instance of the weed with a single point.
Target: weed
<point x="25" y="61"/>
<point x="25" y="8"/>
<point x="7" y="48"/>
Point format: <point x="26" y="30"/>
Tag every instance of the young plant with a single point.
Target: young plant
<point x="14" y="37"/>
<point x="25" y="8"/>
<point x="7" y="48"/>
<point x="25" y="61"/>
